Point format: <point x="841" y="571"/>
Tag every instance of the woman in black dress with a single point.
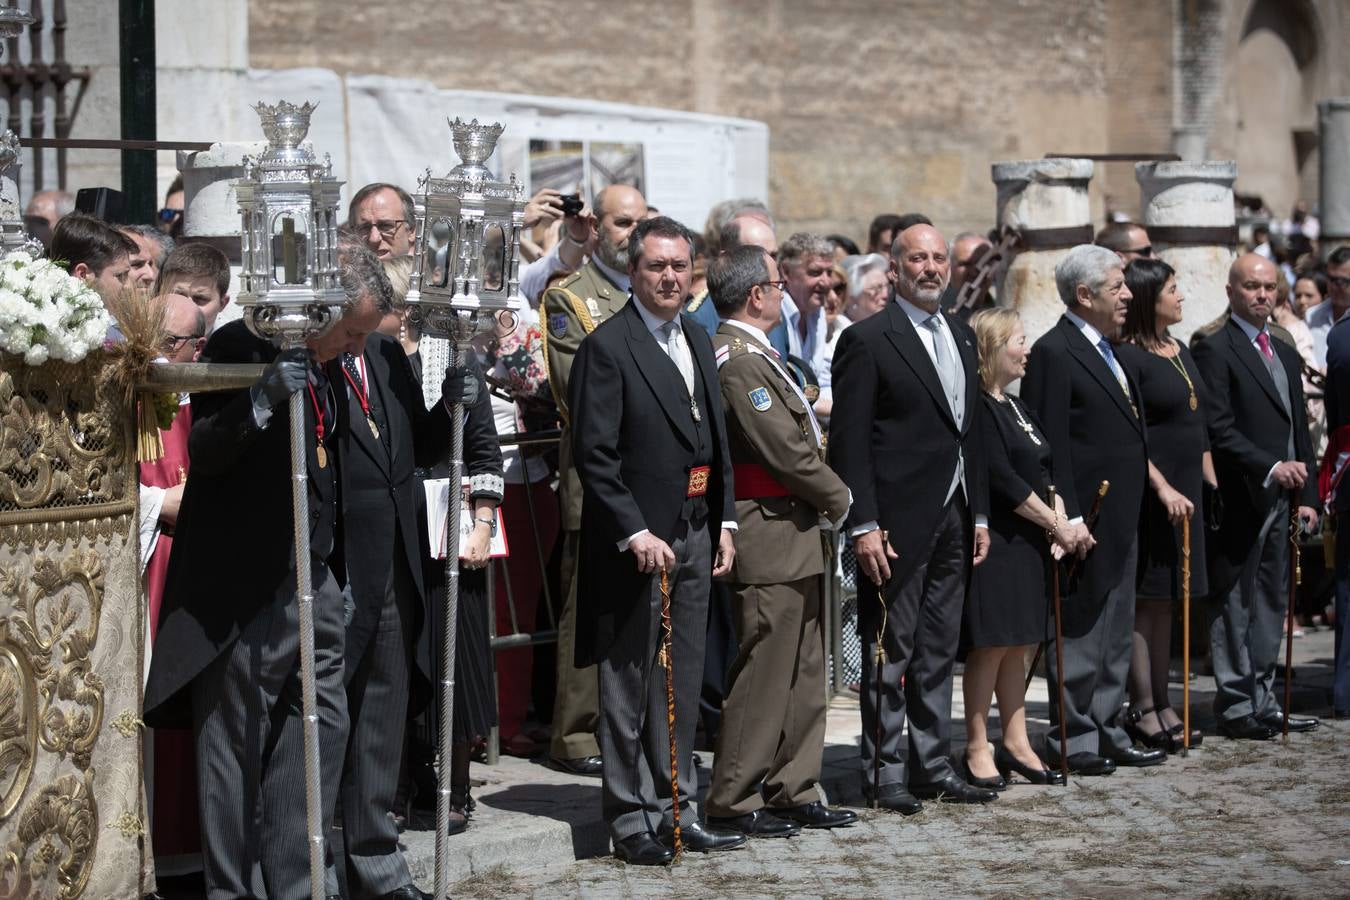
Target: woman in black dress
<point x="1173" y="403"/>
<point x="1007" y="607"/>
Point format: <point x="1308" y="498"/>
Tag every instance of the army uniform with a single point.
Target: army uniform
<point x="570" y="310"/>
<point x="773" y="724"/>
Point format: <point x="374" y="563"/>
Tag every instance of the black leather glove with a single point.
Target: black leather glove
<point x="287" y="374"/>
<point x="460" y="386"/>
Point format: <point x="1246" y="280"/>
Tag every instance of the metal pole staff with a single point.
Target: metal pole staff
<point x="304" y="590"/>
<point x="667" y="658"/>
<point x="1059" y="656"/>
<point x="459" y="350"/>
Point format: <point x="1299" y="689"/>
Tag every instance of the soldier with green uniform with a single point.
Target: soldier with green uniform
<point x="769" y="747"/>
<point x="569" y="311"/>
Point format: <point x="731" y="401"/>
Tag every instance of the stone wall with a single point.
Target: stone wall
<point x="872" y="107"/>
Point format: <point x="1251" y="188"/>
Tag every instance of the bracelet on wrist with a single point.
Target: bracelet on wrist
<point x="491" y="523"/>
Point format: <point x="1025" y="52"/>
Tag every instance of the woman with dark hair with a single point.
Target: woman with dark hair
<point x="1173" y="398"/>
<point x="1310" y="289"/>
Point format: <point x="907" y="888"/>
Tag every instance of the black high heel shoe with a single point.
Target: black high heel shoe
<point x="1197" y="736"/>
<point x="997" y="783"/>
<point x="1007" y="763"/>
<point x="1158" y="740"/>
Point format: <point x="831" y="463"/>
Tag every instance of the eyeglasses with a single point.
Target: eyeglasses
<point x="1339" y="280"/>
<point x="173" y="341"/>
<point x="387" y="227"/>
<point x="168" y="215"/>
<point x="1145" y="251"/>
<point x="780" y="284"/>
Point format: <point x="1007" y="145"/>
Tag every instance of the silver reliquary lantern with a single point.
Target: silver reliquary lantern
<point x="467" y="254"/>
<point x="290" y="292"/>
<point x="288" y="200"/>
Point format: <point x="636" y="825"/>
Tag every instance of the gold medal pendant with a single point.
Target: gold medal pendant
<point x="1194" y="403"/>
<point x="322" y="455"/>
<point x="375" y="429"/>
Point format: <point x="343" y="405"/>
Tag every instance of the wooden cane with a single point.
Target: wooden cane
<point x="1295" y="575"/>
<point x="1059" y="650"/>
<point x="1185" y="636"/>
<point x="1090" y="520"/>
<point x="1036" y="659"/>
<point x="878" y="661"/>
<point x="668" y="663"/>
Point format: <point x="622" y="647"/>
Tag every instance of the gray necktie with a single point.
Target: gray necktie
<point x="942" y="357"/>
<point x="679" y="354"/>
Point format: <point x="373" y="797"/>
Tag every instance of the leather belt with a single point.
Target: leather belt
<point x="754" y="481"/>
<point x="698" y="481"/>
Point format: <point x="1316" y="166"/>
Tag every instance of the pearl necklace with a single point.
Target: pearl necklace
<point x="1025" y="425"/>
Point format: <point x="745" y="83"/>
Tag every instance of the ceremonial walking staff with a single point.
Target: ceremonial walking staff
<point x="1059" y="646"/>
<point x="879" y="661"/>
<point x="1071" y="567"/>
<point x="290" y="293"/>
<point x="667" y="659"/>
<point x="1295" y="576"/>
<point x="1185" y="636"/>
<point x="465" y="275"/>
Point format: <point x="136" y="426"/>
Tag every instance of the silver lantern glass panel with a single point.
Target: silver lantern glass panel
<point x="288" y="204"/>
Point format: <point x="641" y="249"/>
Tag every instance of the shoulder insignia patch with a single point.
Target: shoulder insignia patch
<point x="557" y="324"/>
<point x="760" y="399"/>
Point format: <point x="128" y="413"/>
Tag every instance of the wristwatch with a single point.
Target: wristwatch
<point x="491" y="523"/>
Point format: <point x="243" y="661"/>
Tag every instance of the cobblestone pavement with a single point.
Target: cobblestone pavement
<point x="1233" y="819"/>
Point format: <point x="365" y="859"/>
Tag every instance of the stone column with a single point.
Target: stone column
<point x="1046" y="200"/>
<point x="1333" y="118"/>
<point x="1188" y="213"/>
<point x="210" y="209"/>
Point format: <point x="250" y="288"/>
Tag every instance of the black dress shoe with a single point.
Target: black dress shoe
<point x="642" y="849"/>
<point x="894" y="797"/>
<point x="1246" y="728"/>
<point x="1276" y="723"/>
<point x="590" y="766"/>
<point x="817" y="815"/>
<point x="1007" y="763"/>
<point x="952" y="789"/>
<point x="700" y="838"/>
<point x="1137" y="758"/>
<point x="1087" y="764"/>
<point x="407" y="892"/>
<point x="761" y="824"/>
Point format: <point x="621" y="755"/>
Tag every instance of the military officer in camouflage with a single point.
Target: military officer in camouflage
<point x="769" y="748"/>
<point x="570" y="310"/>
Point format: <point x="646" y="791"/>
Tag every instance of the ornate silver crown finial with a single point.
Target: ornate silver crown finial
<point x="474" y="143"/>
<point x="285" y="126"/>
<point x="12" y="22"/>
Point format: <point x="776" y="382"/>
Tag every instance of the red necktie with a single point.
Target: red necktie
<point x="1263" y="341"/>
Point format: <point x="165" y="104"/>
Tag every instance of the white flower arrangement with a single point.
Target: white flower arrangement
<point x="45" y="312"/>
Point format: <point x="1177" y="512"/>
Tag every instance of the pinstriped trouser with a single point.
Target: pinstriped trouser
<point x="250" y="748"/>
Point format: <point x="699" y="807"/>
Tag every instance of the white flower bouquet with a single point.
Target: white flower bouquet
<point x="45" y="312"/>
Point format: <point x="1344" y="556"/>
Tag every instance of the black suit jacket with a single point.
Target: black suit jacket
<point x="1094" y="436"/>
<point x="1248" y="433"/>
<point x="234" y="544"/>
<point x="379" y="491"/>
<point x="1337" y="402"/>
<point x="634" y="443"/>
<point x="893" y="439"/>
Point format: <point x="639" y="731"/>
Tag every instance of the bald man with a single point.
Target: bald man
<point x="749" y="228"/>
<point x="1263" y="456"/>
<point x="570" y="311"/>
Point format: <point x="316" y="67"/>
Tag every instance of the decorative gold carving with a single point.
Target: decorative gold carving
<point x="129" y="824"/>
<point x="128" y="723"/>
<point x="52" y="852"/>
<point x="18" y="726"/>
<point x="56" y="604"/>
<point x="62" y="441"/>
<point x="45" y="527"/>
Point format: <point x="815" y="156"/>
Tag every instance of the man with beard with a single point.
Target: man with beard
<point x="570" y="311"/>
<point x="1089" y="410"/>
<point x="904" y="436"/>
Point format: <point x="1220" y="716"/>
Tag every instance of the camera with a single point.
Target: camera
<point x="572" y="204"/>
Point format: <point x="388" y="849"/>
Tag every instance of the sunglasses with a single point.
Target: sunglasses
<point x="1145" y="251"/>
<point x="168" y="215"/>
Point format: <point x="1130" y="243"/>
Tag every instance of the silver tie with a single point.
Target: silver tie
<point x="679" y="354"/>
<point x="943" y="359"/>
